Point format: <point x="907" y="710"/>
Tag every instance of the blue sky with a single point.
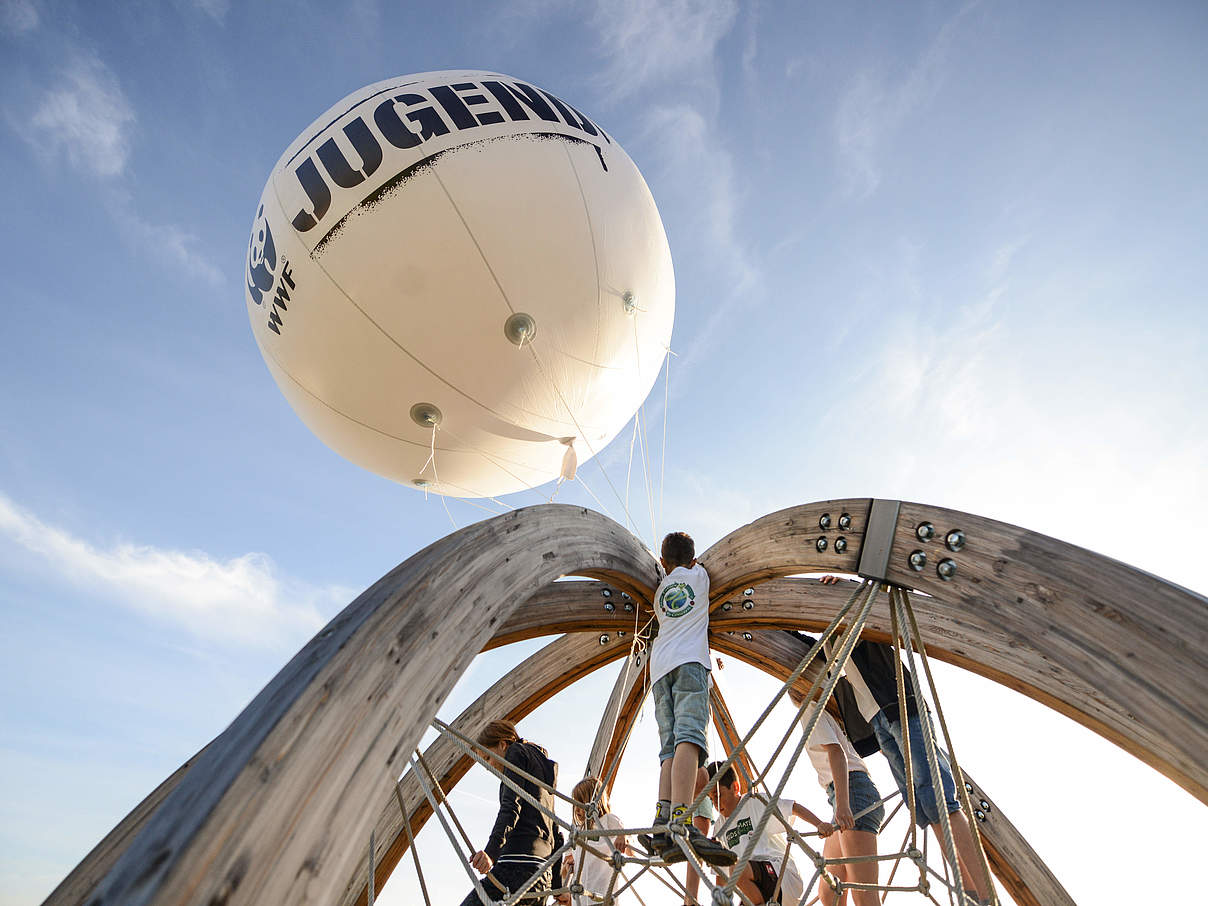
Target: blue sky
<point x="933" y="251"/>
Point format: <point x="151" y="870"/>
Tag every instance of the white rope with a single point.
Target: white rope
<point x="642" y="441"/>
<point x="932" y="759"/>
<point x="666" y="407"/>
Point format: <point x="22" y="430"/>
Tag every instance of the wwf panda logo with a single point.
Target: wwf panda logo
<point x="261" y="259"/>
<point x="677" y="599"/>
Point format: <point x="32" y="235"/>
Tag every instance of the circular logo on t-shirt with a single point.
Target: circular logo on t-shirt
<point x="677" y="599"/>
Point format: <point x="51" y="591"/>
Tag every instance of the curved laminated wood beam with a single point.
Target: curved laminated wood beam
<point x="252" y="821"/>
<point x="1120" y="651"/>
<point x="626" y="697"/>
<point x="517" y="694"/>
<point x="82" y="879"/>
<point x="574" y="606"/>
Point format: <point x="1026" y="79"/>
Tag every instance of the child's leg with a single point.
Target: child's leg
<point x="702" y="825"/>
<point x="683" y="773"/>
<point x="832" y="848"/>
<point x="972" y="876"/>
<point x="860" y="843"/>
<point x="746" y="883"/>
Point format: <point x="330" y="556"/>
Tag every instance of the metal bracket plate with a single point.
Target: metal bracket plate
<point x="878" y="539"/>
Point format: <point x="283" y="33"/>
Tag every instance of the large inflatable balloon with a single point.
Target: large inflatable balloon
<point x="460" y="282"/>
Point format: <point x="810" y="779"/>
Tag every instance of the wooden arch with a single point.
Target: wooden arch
<point x="277" y="808"/>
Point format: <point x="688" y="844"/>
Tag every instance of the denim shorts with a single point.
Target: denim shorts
<point x="681" y="707"/>
<point x="863" y="796"/>
<point x="889" y="736"/>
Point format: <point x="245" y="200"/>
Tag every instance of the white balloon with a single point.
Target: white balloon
<point x="465" y="249"/>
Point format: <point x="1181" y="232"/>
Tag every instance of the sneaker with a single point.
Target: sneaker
<point x="707" y="849"/>
<point x="652" y="843"/>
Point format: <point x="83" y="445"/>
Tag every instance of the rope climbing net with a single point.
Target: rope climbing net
<point x="925" y="865"/>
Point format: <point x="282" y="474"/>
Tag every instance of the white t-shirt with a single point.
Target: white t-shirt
<point x="735" y="833"/>
<point x="828" y="732"/>
<point x="682" y="607"/>
<point x="865" y="703"/>
<point x="596" y="870"/>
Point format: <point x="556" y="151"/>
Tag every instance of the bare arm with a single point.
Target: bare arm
<point x="825" y="828"/>
<point x="838" y="765"/>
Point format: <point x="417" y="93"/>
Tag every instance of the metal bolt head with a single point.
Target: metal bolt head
<point x="624" y="596"/>
<point x="981" y="816"/>
<point x="520" y="328"/>
<point x="628" y="607"/>
<point x="727" y="606"/>
<point x="924" y="531"/>
<point x="845" y="522"/>
<point x="606" y="592"/>
<point x="604" y="639"/>
<point x="955" y="540"/>
<point x="985" y="805"/>
<point x="968" y="786"/>
<point x="609" y="606"/>
<point x="917" y="561"/>
<point x="747" y="592"/>
<point x="820" y="544"/>
<point x="426" y="415"/>
<point x="946" y="569"/>
<point x="746" y="636"/>
<point x="629" y="302"/>
<point x="824" y="521"/>
<point x="747" y="605"/>
<point x="840" y="545"/>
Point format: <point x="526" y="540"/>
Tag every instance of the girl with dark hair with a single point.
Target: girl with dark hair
<point x="524" y="836"/>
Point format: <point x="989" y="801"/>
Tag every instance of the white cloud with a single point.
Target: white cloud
<point x="18" y="16"/>
<point x="242" y="600"/>
<point x="86" y="117"/>
<point x="647" y="40"/>
<point x="215" y="9"/>
<point x="875" y="105"/>
<point x="167" y="243"/>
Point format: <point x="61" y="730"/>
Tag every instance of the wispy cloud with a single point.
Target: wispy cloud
<point x="876" y="104"/>
<point x="18" y="16"/>
<point x="87" y="118"/>
<point x="215" y="9"/>
<point x="167" y="242"/>
<point x="645" y="41"/>
<point x="242" y="600"/>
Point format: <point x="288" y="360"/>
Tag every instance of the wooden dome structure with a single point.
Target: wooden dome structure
<point x="278" y="808"/>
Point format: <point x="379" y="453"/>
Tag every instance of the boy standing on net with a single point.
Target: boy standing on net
<point x="679" y="674"/>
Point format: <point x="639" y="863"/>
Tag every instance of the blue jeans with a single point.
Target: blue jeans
<point x="889" y="736"/>
<point x="681" y="708"/>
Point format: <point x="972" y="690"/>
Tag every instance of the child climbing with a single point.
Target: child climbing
<point x="594" y="858"/>
<point x="771" y="876"/>
<point x="679" y="674"/>
<point x="857" y="804"/>
<point x="524" y="836"/>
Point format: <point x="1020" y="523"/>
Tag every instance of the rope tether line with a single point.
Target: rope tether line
<point x="419" y="871"/>
<point x="932" y="761"/>
<point x="793" y="677"/>
<point x="850" y="637"/>
<point x="465" y="861"/>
